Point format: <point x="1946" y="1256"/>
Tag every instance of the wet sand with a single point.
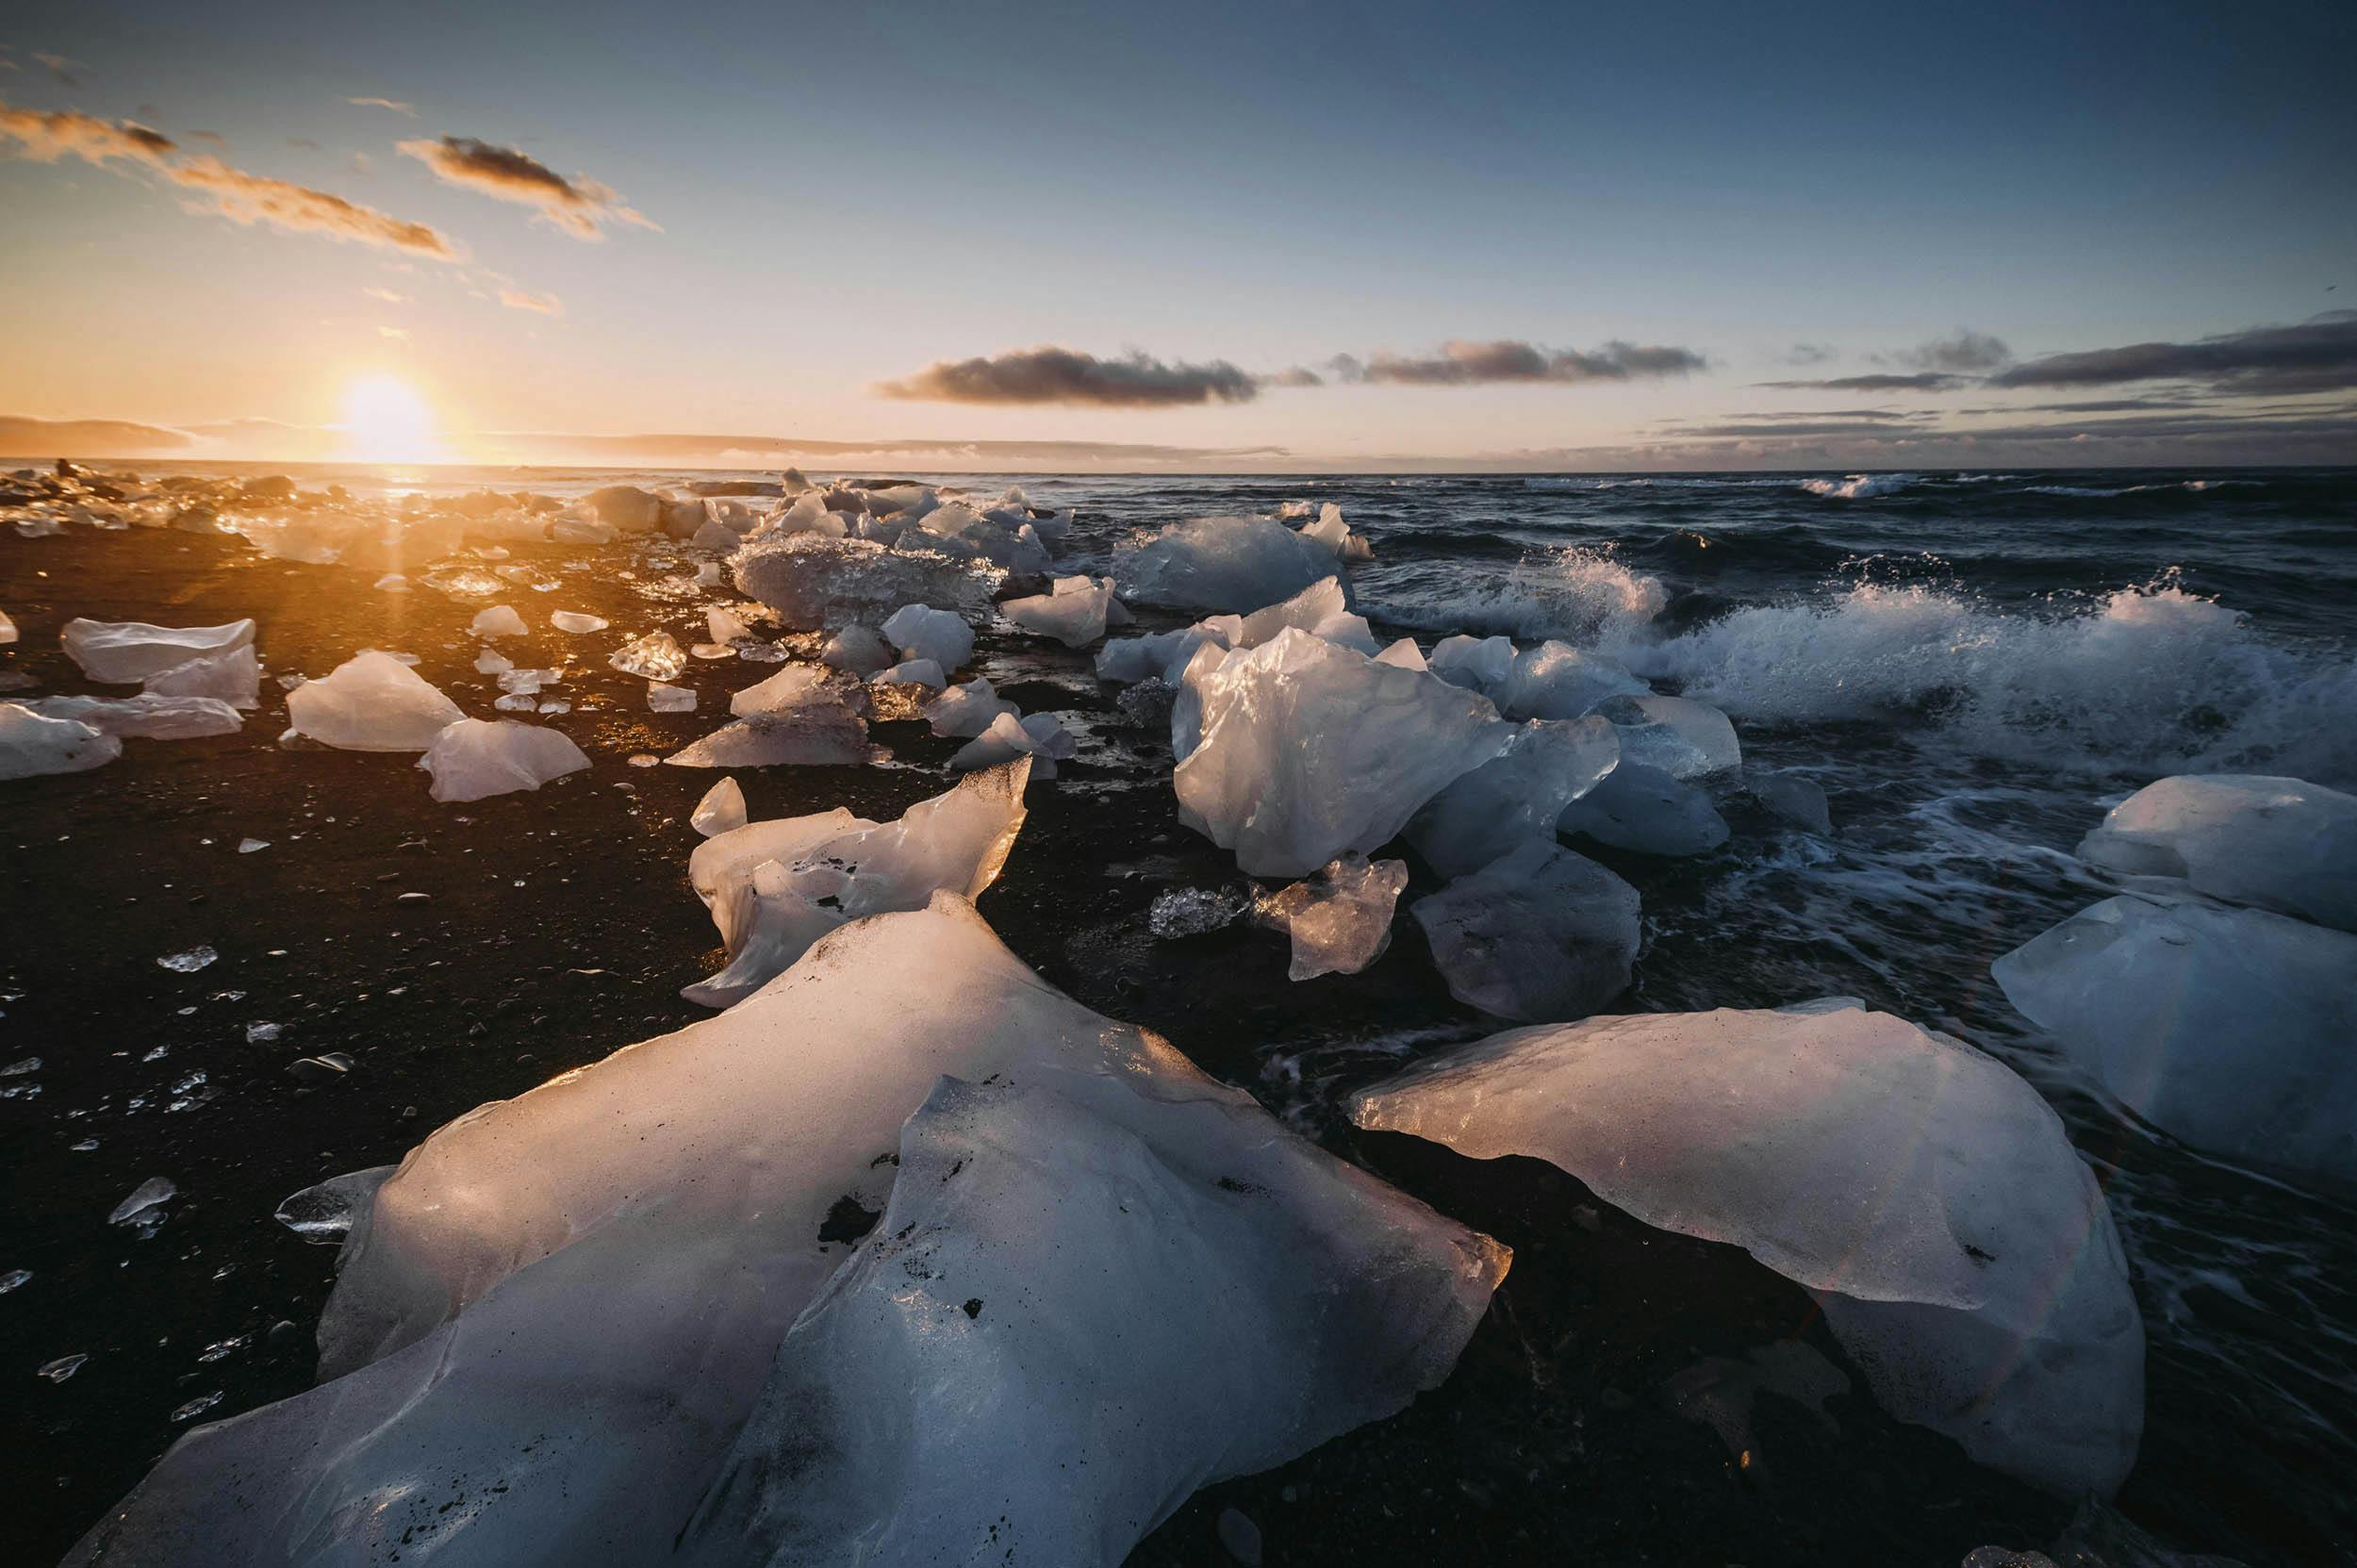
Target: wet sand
<point x="557" y="926"/>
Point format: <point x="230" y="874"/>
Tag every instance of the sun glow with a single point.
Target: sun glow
<point x="387" y="421"/>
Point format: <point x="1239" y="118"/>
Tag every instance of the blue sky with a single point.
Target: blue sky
<point x="846" y="195"/>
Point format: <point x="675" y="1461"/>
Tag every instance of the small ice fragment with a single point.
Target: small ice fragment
<point x="393" y="582"/>
<point x="120" y="653"/>
<point x="33" y="744"/>
<point x="1340" y="919"/>
<point x="915" y="672"/>
<point x="724" y="626"/>
<point x="1539" y="934"/>
<point x="190" y="962"/>
<point x="476" y="757"/>
<point x="722" y="810"/>
<point x="500" y="621"/>
<point x="259" y="1035"/>
<point x="62" y="1368"/>
<point x="1178" y="912"/>
<point x="1041" y="737"/>
<point x="489" y="663"/>
<point x="857" y="648"/>
<point x="1798" y="801"/>
<point x="8" y="635"/>
<point x="573" y="621"/>
<point x="22" y="1065"/>
<point x="645" y="759"/>
<point x="964" y="712"/>
<point x="372" y="703"/>
<point x="669" y="699"/>
<point x="14" y="1278"/>
<point x="656" y="656"/>
<point x="196" y="1406"/>
<point x="155" y="1191"/>
<point x="248" y="846"/>
<point x="922" y="633"/>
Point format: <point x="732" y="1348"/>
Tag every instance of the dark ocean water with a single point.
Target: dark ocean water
<point x="1974" y="666"/>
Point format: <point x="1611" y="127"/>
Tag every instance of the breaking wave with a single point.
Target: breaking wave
<point x="1575" y="592"/>
<point x="2149" y="678"/>
<point x="1860" y="487"/>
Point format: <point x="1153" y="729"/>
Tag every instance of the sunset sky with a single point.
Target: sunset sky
<point x="1267" y="236"/>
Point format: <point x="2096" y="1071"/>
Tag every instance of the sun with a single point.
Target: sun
<point x="387" y="421"/>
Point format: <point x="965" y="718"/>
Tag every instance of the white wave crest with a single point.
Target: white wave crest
<point x="1860" y="487"/>
<point x="1576" y="593"/>
<point x="2151" y="678"/>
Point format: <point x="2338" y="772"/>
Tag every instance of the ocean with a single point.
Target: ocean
<point x="1974" y="666"/>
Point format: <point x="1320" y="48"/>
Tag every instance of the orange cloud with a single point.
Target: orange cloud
<point x="546" y="304"/>
<point x="45" y="138"/>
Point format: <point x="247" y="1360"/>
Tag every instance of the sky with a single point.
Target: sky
<point x="1280" y="237"/>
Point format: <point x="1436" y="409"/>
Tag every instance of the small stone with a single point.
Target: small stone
<point x="1240" y="1536"/>
<point x="190" y="962"/>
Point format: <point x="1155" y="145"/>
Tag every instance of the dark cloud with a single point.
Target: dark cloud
<point x="1868" y="427"/>
<point x="1070" y="377"/>
<point x="581" y="206"/>
<point x="1965" y="350"/>
<point x="1922" y="381"/>
<point x="1462" y="363"/>
<point x="2317" y="356"/>
<point x="1298" y="375"/>
<point x="33" y="438"/>
<point x="62" y="68"/>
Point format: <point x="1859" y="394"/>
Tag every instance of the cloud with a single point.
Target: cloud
<point x="517" y="299"/>
<point x="1810" y="353"/>
<point x="1297" y="375"/>
<point x="387" y="295"/>
<point x="2318" y="354"/>
<point x="1460" y="363"/>
<point x="578" y="206"/>
<point x="1926" y="381"/>
<point x="85" y="437"/>
<point x="62" y="68"/>
<point x="245" y="198"/>
<point x="399" y="334"/>
<point x="235" y="194"/>
<point x="45" y="138"/>
<point x="1050" y="374"/>
<point x="393" y="104"/>
<point x="1965" y="350"/>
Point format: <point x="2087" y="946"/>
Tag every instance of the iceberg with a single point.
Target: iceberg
<point x="1072" y="613"/>
<point x="1405" y="655"/>
<point x="1643" y="809"/>
<point x="1539" y="934"/>
<point x="1042" y="737"/>
<point x="1519" y="794"/>
<point x="1308" y="750"/>
<point x="1223" y="564"/>
<point x="722" y="810"/>
<point x="964" y="712"/>
<point x="1557" y="681"/>
<point x="656" y="656"/>
<point x="474" y="758"/>
<point x="146" y="717"/>
<point x="1924" y="1194"/>
<point x="372" y="703"/>
<point x="669" y="699"/>
<point x="774" y="888"/>
<point x="1797" y="799"/>
<point x="121" y="653"/>
<point x="34" y="744"/>
<point x="820" y="733"/>
<point x="815" y="582"/>
<point x="1678" y="735"/>
<point x="1163" y="656"/>
<point x="857" y="648"/>
<point x="578" y="622"/>
<point x="926" y="673"/>
<point x="2278" y="843"/>
<point x="796" y="686"/>
<point x="1477" y="664"/>
<point x="2227" y="1028"/>
<point x="921" y="632"/>
<point x="1340" y="920"/>
<point x="1075" y="1255"/>
<point x="234" y="677"/>
<point x="1333" y="534"/>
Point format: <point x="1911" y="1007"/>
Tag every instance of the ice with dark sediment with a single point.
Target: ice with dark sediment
<point x="1539" y="934"/>
<point x="474" y="758"/>
<point x="814" y="582"/>
<point x="1305" y="749"/>
<point x="1222" y="563"/>
<point x="372" y="703"/>
<point x="776" y="886"/>
<point x="2271" y="842"/>
<point x="1338" y="920"/>
<point x="920" y="632"/>
<point x="965" y="711"/>
<point x="1521" y="793"/>
<point x="1678" y="735"/>
<point x="557" y="1314"/>
<point x="146" y="717"/>
<point x="1073" y="612"/>
<point x="722" y="810"/>
<point x="1643" y="809"/>
<point x="121" y="653"/>
<point x="1040" y="736"/>
<point x="1924" y="1195"/>
<point x="34" y="744"/>
<point x="2229" y="1028"/>
<point x="1069" y="1252"/>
